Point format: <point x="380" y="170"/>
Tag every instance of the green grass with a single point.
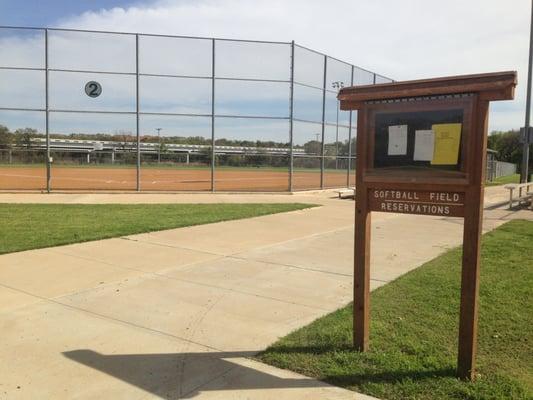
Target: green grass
<point x="503" y="180"/>
<point x="21" y="165"/>
<point x="414" y="326"/>
<point x="32" y="226"/>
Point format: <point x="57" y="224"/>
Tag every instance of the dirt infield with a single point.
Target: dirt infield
<point x="100" y="178"/>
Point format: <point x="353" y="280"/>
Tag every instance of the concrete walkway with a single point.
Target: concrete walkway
<point x="178" y="313"/>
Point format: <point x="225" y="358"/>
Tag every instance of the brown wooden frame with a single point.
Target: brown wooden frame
<point x="472" y="94"/>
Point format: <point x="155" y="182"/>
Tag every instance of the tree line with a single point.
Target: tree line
<point x="508" y="145"/>
<point x="22" y="138"/>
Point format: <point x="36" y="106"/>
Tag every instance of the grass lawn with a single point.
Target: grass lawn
<point x="414" y="331"/>
<point x="31" y="226"/>
<point x="503" y="180"/>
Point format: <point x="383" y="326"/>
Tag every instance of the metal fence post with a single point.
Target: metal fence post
<point x="213" y="116"/>
<point x="47" y="117"/>
<point x="350" y="139"/>
<point x="291" y="122"/>
<point x="137" y="112"/>
<point x="322" y="163"/>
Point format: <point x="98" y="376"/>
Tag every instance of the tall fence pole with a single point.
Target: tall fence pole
<point x="350" y="139"/>
<point x="525" y="148"/>
<point x="291" y="122"/>
<point x="323" y="123"/>
<point x="138" y="186"/>
<point x="213" y="116"/>
<point x="47" y="117"/>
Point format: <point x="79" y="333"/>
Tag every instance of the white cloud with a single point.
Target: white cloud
<point x="405" y="40"/>
<point x="402" y="39"/>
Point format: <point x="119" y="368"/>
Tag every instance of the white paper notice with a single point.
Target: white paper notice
<point x="424" y="143"/>
<point x="397" y="140"/>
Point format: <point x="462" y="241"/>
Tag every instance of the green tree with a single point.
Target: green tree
<point x="508" y="145"/>
<point x="313" y="147"/>
<point x="6" y="137"/>
<point x="23" y="137"/>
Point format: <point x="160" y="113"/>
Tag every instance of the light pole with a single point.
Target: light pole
<point x="337" y="85"/>
<point x="526" y="136"/>
<point x="159" y="145"/>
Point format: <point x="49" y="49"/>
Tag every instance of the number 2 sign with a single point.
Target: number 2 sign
<point x="93" y="89"/>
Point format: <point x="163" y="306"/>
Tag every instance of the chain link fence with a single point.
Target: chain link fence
<point x="88" y="110"/>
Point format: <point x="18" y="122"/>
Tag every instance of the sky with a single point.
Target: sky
<point x="408" y="39"/>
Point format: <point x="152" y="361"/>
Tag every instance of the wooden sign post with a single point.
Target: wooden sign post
<point x="421" y="148"/>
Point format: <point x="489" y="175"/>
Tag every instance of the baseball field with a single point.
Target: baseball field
<point x="33" y="177"/>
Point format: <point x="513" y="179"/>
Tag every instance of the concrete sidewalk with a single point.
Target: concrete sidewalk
<point x="179" y="313"/>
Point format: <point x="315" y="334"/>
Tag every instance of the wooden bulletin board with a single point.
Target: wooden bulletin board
<point x="421" y="148"/>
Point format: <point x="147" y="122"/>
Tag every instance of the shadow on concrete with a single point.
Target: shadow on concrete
<point x="186" y="375"/>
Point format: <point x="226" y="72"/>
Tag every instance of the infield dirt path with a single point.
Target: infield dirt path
<point x="179" y="313"/>
<point x="153" y="179"/>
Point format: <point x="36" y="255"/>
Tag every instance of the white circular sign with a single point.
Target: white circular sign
<point x="93" y="89"/>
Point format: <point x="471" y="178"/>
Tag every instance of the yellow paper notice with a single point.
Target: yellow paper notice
<point x="447" y="141"/>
